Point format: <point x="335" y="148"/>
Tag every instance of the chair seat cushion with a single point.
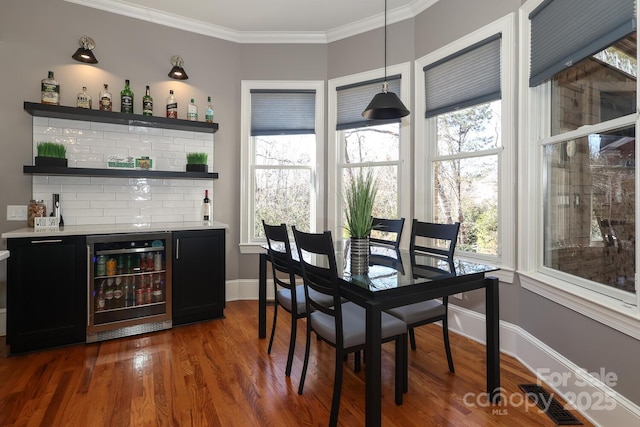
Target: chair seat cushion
<point x="284" y="298"/>
<point x="353" y="325"/>
<point x="418" y="312"/>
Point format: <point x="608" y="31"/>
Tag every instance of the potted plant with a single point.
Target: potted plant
<point x="360" y="194"/>
<point x="197" y="162"/>
<point x="51" y="154"/>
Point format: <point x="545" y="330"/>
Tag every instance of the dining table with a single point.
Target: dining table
<point x="398" y="277"/>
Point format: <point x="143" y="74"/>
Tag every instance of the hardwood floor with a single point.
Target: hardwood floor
<point x="218" y="373"/>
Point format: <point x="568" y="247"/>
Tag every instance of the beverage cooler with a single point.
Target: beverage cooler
<point x="129" y="284"/>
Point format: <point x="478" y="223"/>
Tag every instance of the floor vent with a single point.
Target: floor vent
<point x="549" y="405"/>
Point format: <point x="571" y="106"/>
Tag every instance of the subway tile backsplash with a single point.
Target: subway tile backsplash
<point x="89" y="200"/>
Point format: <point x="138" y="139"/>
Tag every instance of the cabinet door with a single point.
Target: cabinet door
<point x="198" y="275"/>
<point x="46" y="292"/>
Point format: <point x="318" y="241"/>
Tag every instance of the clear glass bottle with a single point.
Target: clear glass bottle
<point x="50" y="90"/>
<point x="208" y="114"/>
<point x="84" y="99"/>
<point x="192" y="111"/>
<point x="147" y="103"/>
<point x="105" y="99"/>
<point x="126" y="99"/>
<point x="172" y="106"/>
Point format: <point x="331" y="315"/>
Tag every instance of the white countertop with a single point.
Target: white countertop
<point x="4" y="255"/>
<point x="76" y="230"/>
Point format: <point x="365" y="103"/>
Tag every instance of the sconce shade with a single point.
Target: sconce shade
<point x="177" y="72"/>
<point x="84" y="52"/>
<point x="385" y="105"/>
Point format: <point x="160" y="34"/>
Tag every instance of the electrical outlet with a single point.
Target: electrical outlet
<point x="16" y="212"/>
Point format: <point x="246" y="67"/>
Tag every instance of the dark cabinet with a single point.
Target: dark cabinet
<point x="46" y="292"/>
<point x="198" y="275"/>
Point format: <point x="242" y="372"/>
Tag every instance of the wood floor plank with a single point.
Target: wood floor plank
<point x="218" y="373"/>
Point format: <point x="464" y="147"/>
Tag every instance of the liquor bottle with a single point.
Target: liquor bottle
<point x="172" y="106"/>
<point x="84" y="99"/>
<point x="50" y="90"/>
<point x="208" y="115"/>
<point x="126" y="99"/>
<point x="147" y="103"/>
<point x="206" y="207"/>
<point x="192" y="111"/>
<point x="105" y="99"/>
<point x="100" y="298"/>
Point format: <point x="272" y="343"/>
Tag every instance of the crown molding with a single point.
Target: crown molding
<point x="272" y="37"/>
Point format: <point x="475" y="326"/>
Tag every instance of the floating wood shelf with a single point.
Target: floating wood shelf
<point x="118" y="173"/>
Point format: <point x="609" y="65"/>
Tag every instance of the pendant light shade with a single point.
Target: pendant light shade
<point x="84" y="52"/>
<point x="385" y="105"/>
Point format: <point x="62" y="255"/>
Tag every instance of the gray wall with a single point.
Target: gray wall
<point x="40" y="35"/>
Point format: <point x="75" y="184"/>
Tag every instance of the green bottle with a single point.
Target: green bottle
<point x="126" y="99"/>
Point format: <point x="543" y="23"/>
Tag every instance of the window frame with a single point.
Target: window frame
<point x="247" y="244"/>
<point x="426" y="134"/>
<point x="336" y="147"/>
<point x="532" y="137"/>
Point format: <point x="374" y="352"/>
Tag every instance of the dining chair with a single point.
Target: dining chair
<point x="386" y="231"/>
<point x="343" y="324"/>
<point x="288" y="295"/>
<point x="428" y="238"/>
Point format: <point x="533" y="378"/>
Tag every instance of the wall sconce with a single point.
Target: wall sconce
<point x="177" y="72"/>
<point x="84" y="54"/>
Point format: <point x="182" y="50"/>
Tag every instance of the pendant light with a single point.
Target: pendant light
<point x="385" y="105"/>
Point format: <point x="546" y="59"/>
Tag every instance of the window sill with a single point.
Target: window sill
<point x="251" y="248"/>
<point x="609" y="311"/>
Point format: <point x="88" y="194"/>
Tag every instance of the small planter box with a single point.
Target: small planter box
<point x="51" y="161"/>
<point x="196" y="168"/>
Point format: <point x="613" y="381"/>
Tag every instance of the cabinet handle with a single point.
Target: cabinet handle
<point x="47" y="241"/>
<point x="177" y="248"/>
<point x="89" y="294"/>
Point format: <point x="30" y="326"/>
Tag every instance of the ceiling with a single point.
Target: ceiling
<point x="267" y="21"/>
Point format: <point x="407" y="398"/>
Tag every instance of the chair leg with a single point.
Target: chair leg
<point x="401" y="348"/>
<point x="357" y="366"/>
<point x="405" y="373"/>
<point x="447" y="347"/>
<point x="306" y="358"/>
<point x="273" y="328"/>
<point x="337" y="390"/>
<point x="292" y="344"/>
<point x="412" y="337"/>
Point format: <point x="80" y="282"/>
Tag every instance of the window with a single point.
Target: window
<point x="579" y="142"/>
<point x="465" y="165"/>
<point x="360" y="144"/>
<point x="281" y="134"/>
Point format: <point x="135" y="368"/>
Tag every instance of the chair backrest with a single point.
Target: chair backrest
<point x="279" y="253"/>
<point x="319" y="272"/>
<point x="426" y="237"/>
<point x="386" y="231"/>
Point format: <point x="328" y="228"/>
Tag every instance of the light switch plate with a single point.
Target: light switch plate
<point x="458" y="296"/>
<point x="16" y="212"/>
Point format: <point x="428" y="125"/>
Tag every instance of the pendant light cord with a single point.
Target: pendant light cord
<point x="385" y="40"/>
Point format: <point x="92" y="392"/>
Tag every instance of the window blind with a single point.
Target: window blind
<point x="283" y="112"/>
<point x="354" y="98"/>
<point x="466" y="78"/>
<point x="564" y="32"/>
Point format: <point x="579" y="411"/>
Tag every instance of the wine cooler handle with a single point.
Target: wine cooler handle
<point x="177" y="248"/>
<point x="46" y="241"/>
<point x="89" y="285"/>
